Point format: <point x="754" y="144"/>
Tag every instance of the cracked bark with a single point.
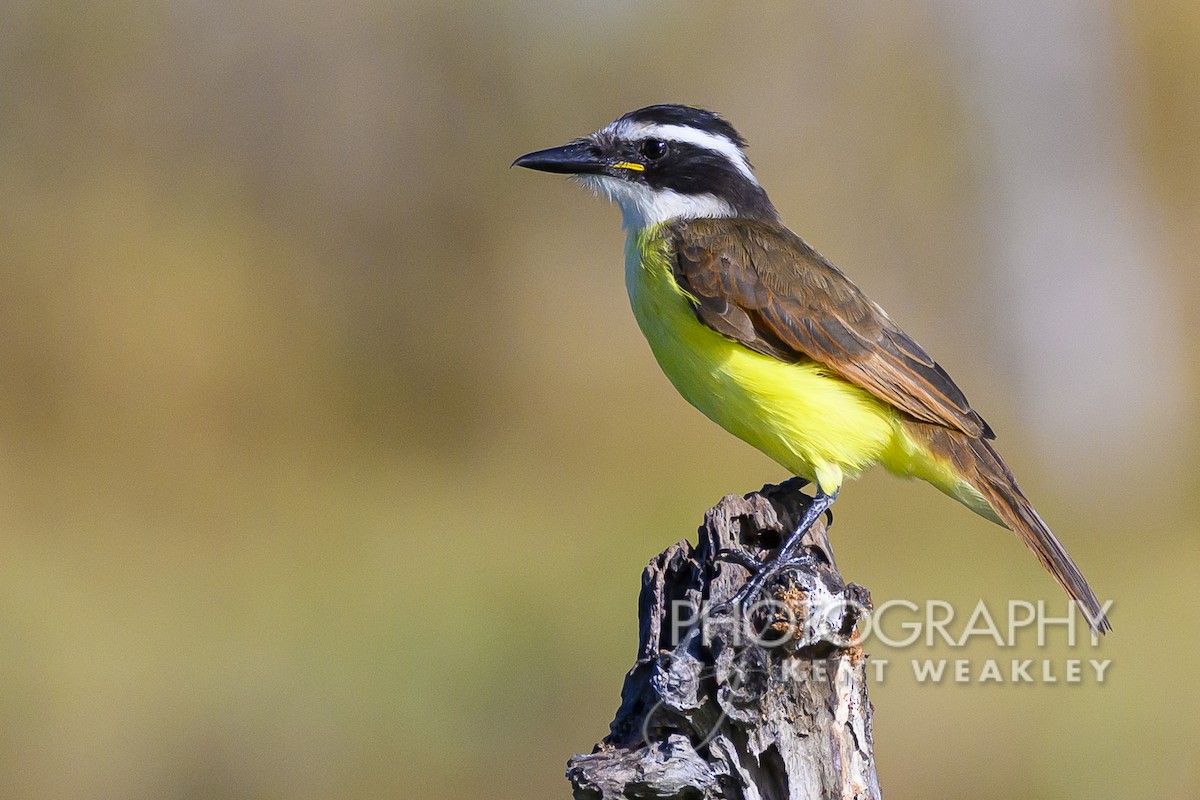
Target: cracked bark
<point x="763" y="706"/>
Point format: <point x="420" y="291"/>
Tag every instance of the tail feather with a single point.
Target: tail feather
<point x="978" y="463"/>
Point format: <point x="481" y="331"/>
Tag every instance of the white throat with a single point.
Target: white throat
<point x="643" y="207"/>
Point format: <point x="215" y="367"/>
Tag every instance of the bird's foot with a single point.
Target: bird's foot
<point x="742" y="559"/>
<point x="787" y="556"/>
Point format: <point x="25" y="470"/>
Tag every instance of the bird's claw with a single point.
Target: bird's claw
<point x="742" y="559"/>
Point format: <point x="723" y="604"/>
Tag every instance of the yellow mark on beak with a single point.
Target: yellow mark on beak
<point x="630" y="165"/>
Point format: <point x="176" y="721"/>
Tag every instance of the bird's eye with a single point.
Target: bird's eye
<point x="654" y="149"/>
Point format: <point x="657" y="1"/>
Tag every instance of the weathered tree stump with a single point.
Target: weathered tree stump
<point x="720" y="704"/>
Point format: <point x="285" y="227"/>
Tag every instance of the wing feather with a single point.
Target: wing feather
<point x="766" y="288"/>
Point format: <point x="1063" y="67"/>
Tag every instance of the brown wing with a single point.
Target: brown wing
<point x="764" y="287"/>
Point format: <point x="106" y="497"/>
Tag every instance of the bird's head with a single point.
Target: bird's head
<point x="663" y="163"/>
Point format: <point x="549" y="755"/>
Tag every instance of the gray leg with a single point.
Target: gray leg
<point x="819" y="505"/>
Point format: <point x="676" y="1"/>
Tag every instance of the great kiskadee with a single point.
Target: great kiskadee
<point x="773" y="343"/>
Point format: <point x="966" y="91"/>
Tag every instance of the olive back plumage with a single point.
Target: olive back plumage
<point x="764" y="286"/>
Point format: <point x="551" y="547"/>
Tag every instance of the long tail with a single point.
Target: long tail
<point x="980" y="466"/>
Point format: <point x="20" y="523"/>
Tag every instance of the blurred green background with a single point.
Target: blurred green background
<point x="330" y="454"/>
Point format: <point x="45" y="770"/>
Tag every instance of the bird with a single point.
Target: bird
<point x="771" y="341"/>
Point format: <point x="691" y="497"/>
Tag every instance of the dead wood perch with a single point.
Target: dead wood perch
<point x="721" y="705"/>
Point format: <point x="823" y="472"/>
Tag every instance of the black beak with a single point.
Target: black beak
<point x="576" y="158"/>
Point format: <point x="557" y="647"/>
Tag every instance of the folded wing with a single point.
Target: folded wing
<point x="766" y="288"/>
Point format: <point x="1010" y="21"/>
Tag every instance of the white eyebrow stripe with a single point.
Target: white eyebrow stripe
<point x="681" y="133"/>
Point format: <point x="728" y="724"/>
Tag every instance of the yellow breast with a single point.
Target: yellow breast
<point x="818" y="426"/>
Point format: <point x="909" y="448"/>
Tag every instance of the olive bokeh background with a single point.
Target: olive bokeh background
<point x="330" y="454"/>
